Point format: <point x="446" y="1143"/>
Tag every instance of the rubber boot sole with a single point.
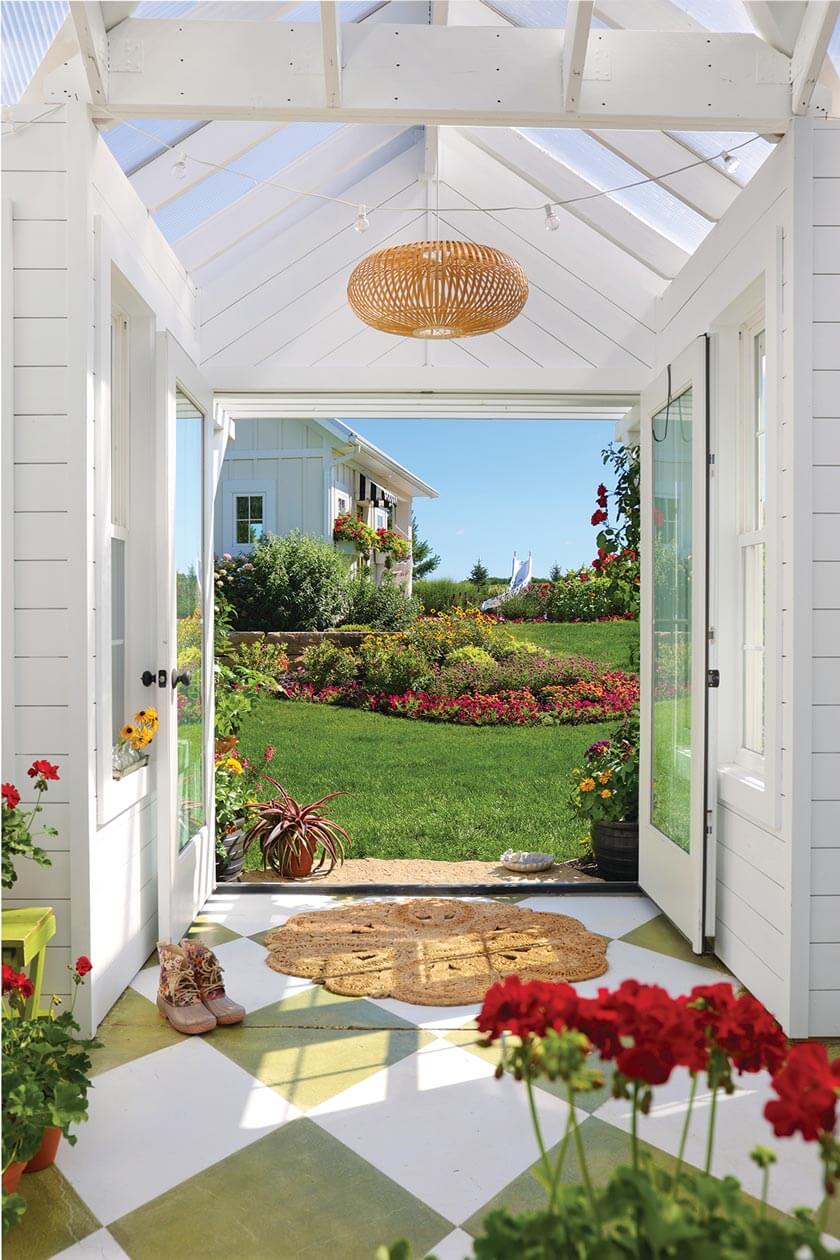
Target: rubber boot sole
<point x="188" y="1030"/>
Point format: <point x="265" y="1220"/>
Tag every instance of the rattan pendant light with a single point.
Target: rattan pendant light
<point x="438" y="289"/>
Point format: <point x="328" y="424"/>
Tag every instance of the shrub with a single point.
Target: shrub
<point x="385" y="607"/>
<point x="264" y="657"/>
<point x="583" y="596"/>
<point x="443" y="594"/>
<point x="392" y="664"/>
<point x="470" y="656"/>
<point x="528" y="604"/>
<point x="290" y="583"/>
<point x="437" y="636"/>
<point x="327" y="665"/>
<point x="521" y="671"/>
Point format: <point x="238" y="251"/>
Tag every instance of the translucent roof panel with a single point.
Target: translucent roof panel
<point x="135" y="143"/>
<point x="709" y="144"/>
<point x="348" y="11"/>
<point x="543" y="14"/>
<point x="650" y="202"/>
<point x="834" y="46"/>
<point x="724" y="16"/>
<point x="28" y="28"/>
<point x="224" y="187"/>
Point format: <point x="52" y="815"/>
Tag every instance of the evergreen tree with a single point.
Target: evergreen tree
<point x="555" y="574"/>
<point x="424" y="561"/>
<point x="479" y="574"/>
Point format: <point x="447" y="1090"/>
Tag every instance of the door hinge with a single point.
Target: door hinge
<point x="712" y="677"/>
<point x="711" y="459"/>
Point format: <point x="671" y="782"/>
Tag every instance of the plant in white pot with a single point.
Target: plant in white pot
<point x="606" y="793"/>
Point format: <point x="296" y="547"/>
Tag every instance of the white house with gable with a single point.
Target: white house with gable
<point x="283" y="473"/>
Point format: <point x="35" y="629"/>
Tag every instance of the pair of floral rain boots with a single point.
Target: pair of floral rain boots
<point x="191" y="994"/>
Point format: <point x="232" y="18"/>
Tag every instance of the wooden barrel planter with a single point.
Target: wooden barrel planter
<point x="616" y="848"/>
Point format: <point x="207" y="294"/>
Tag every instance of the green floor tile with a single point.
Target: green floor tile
<point x="660" y="935"/>
<point x="132" y="1028"/>
<point x="55" y="1218"/>
<point x="297" y="1194"/>
<point x="314" y="1045"/>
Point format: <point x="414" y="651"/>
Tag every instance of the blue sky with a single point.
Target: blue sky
<point x="505" y="485"/>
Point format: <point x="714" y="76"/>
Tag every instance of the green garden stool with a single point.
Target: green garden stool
<point x="26" y="933"/>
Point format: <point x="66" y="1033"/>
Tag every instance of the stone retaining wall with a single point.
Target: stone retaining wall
<point x="297" y="640"/>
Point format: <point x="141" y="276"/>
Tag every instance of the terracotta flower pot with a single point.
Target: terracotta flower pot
<point x="298" y="864"/>
<point x="226" y="744"/>
<point x="12" y="1176"/>
<point x="45" y="1155"/>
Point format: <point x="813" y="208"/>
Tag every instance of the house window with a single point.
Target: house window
<point x="119" y="513"/>
<point x="752" y="542"/>
<point x="249" y="518"/>
<point x="381" y="518"/>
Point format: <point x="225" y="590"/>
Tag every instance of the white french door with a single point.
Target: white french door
<point x="185" y="821"/>
<point x="674" y="680"/>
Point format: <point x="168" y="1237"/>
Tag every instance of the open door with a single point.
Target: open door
<point x="674" y="698"/>
<point x="185" y="815"/>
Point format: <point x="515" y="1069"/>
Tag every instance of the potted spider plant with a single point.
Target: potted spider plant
<point x="290" y="835"/>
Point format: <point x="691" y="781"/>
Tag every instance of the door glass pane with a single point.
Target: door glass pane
<point x="189" y="531"/>
<point x="753" y="602"/>
<point x="672" y="606"/>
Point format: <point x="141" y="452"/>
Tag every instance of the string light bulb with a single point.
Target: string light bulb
<point x="179" y="166"/>
<point x="552" y="222"/>
<point x="362" y="221"/>
<point x="730" y="162"/>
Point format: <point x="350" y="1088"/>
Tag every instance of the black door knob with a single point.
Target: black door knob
<point x="181" y="676"/>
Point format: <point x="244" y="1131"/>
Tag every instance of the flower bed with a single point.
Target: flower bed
<point x="613" y="695"/>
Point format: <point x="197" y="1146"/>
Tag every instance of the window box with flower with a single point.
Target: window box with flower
<point x="134" y="738"/>
<point x="352" y="535"/>
<point x="391" y="546"/>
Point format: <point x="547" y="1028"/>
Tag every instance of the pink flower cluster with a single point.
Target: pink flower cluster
<point x="610" y="696"/>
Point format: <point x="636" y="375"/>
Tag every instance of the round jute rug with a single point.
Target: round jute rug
<point x="433" y="951"/>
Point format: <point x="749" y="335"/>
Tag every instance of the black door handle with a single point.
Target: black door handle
<point x="181" y="676"/>
<point x="148" y="679"/>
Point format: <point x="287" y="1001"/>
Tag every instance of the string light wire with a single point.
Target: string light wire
<point x="544" y="208"/>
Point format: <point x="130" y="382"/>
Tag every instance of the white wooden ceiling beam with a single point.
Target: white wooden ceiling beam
<point x="440" y="12"/>
<point x="646" y="15"/>
<point x="810" y="51"/>
<point x="481" y="75"/>
<point x="703" y="188"/>
<point x="217" y="142"/>
<point x="550" y="177"/>
<point x="89" y="23"/>
<point x="331" y="52"/>
<point x="576" y="38"/>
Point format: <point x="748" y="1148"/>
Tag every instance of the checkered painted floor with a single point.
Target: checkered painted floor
<point x="326" y="1126"/>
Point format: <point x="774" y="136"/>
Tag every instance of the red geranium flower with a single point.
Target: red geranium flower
<point x="11" y="796"/>
<point x="599" y="517"/>
<point x="83" y="965"/>
<point x="808" y="1087"/>
<point x="17" y="982"/>
<point x="532" y="1006"/>
<point x="43" y="770"/>
<point x="25" y="987"/>
<point x="601" y="491"/>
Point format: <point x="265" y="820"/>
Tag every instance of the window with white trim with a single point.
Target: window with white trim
<point x="752" y="542"/>
<point x="249" y="518"/>
<point x="119" y="511"/>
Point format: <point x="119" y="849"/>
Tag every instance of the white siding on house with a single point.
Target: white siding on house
<point x="40" y="517"/>
<point x="824" y="987"/>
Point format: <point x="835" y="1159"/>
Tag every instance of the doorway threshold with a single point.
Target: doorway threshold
<point x="537" y="888"/>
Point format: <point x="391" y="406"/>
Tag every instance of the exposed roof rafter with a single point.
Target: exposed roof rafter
<point x="331" y="50"/>
<point x="89" y="23"/>
<point x="576" y="38"/>
<point x="810" y="51"/>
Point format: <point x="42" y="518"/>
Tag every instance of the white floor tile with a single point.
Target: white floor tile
<point x="248" y="978"/>
<point x="608" y="916"/>
<point x="740" y="1126"/>
<point x="455" y="1246"/>
<point x="631" y="962"/>
<point x="442" y="1126"/>
<point x="97" y="1246"/>
<point x="162" y="1118"/>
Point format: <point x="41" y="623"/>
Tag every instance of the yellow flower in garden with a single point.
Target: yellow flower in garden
<point x="576" y="770"/>
<point x="234" y="765"/>
<point x="606" y="793"/>
<point x="587" y="785"/>
<point x="605" y="776"/>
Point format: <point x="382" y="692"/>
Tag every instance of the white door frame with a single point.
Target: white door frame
<point x="185" y="879"/>
<point x="673" y="878"/>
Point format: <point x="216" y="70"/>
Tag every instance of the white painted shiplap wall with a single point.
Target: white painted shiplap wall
<point x="40" y="517"/>
<point x="824" y="982"/>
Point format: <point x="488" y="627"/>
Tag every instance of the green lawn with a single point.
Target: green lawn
<point x="426" y="789"/>
<point x="611" y="644"/>
<point x="431" y="790"/>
